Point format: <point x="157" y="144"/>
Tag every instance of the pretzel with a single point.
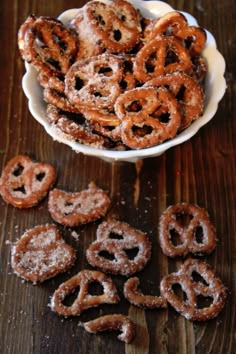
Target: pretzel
<point x="142" y="111"/>
<point x="47" y="44"/>
<point x="161" y="55"/>
<point x="135" y="296"/>
<point x="89" y="46"/>
<point x="174" y="23"/>
<point x="187" y="91"/>
<point x="24" y="183"/>
<point x="83" y="300"/>
<point x="111" y="132"/>
<point x="115" y="322"/>
<point x="59" y="100"/>
<point x="73" y="209"/>
<point x="22" y="32"/>
<point x="116" y="27"/>
<point x="41" y="253"/>
<point x="52" y="81"/>
<point x="103" y="117"/>
<point x="208" y="287"/>
<point x="94" y="82"/>
<point x="127" y="239"/>
<point x="74" y="126"/>
<point x="186" y="220"/>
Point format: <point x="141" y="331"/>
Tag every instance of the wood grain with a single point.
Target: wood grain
<point x="200" y="171"/>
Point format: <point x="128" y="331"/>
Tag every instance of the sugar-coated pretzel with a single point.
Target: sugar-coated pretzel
<point x="47" y="44"/>
<point x="159" y="56"/>
<point x="84" y="300"/>
<point x="186" y="220"/>
<point x="208" y="286"/>
<point x="174" y="23"/>
<point x="187" y="91"/>
<point x="149" y="116"/>
<point x="111" y="132"/>
<point x="112" y="322"/>
<point x="24" y="182"/>
<point x="116" y="27"/>
<point x="73" y="209"/>
<point x="127" y="239"/>
<point x="103" y="117"/>
<point x="94" y="82"/>
<point x="79" y="126"/>
<point x="41" y="253"/>
<point x="59" y="100"/>
<point x="89" y="45"/>
<point x="52" y="81"/>
<point x="135" y="296"/>
<point x="74" y="125"/>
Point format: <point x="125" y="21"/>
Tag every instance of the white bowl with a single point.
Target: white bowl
<point x="215" y="87"/>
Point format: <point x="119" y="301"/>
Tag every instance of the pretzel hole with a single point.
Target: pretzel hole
<point x="141" y="131"/>
<point x="106" y="71"/>
<point x="115" y="236"/>
<point x="135" y="106"/>
<point x="97" y="94"/>
<point x="69" y="207"/>
<point x="204" y="301"/>
<point x="117" y="35"/>
<point x="67" y="203"/>
<point x="169" y="30"/>
<point x="151" y="63"/>
<point x="164" y="118"/>
<point x="62" y="44"/>
<point x="175" y="237"/>
<point x="198" y="278"/>
<point x="75" y="117"/>
<point x="18" y="170"/>
<point x="107" y="255"/>
<point x="180" y="94"/>
<point x="40" y="176"/>
<point x="39" y="40"/>
<point x="123" y="84"/>
<point x="54" y="63"/>
<point x="20" y="189"/>
<point x="171" y="57"/>
<point x="199" y="237"/>
<point x="132" y="253"/>
<point x="79" y="83"/>
<point x="100" y="19"/>
<point x="122" y="17"/>
<point x="188" y="41"/>
<point x="184" y="219"/>
<point x="95" y="288"/>
<point x="70" y="298"/>
<point x="177" y="289"/>
<point x="128" y="66"/>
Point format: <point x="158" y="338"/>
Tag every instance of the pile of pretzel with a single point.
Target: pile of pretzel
<point x="119" y="249"/>
<point x="114" y="79"/>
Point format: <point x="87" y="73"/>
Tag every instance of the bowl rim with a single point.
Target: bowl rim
<point x="215" y="89"/>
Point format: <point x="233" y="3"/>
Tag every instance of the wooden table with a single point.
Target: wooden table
<point x="201" y="171"/>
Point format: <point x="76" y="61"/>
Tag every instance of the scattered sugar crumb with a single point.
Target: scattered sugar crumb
<point x="75" y="235"/>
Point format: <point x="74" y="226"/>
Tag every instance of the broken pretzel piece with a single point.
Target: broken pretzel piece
<point x="112" y="322"/>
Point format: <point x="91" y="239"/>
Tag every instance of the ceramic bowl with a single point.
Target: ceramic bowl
<point x="215" y="87"/>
